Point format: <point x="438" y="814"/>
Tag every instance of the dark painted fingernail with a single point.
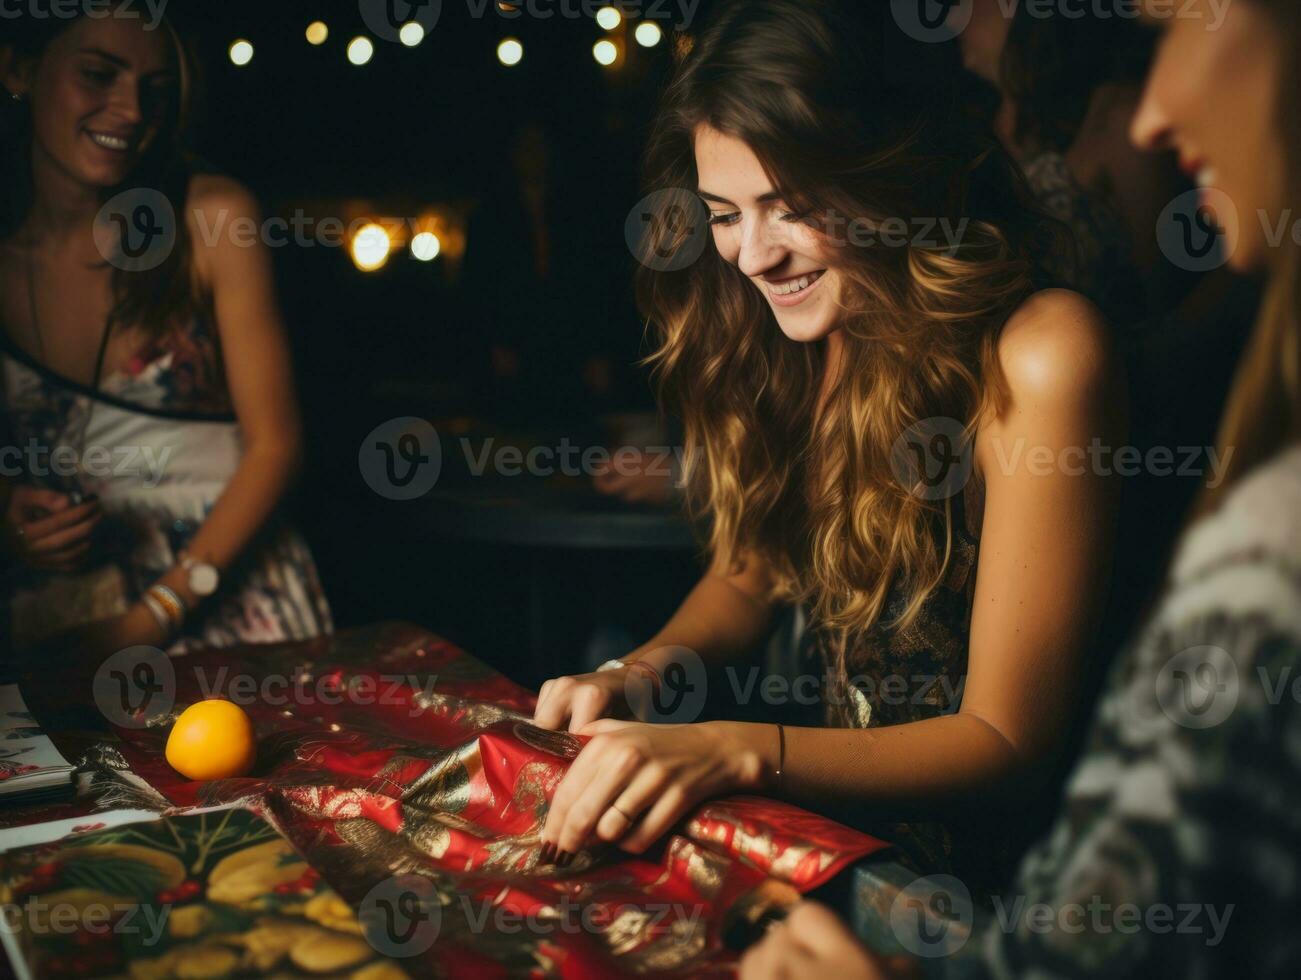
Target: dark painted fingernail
<point x="563" y="860"/>
<point x="548" y="854"/>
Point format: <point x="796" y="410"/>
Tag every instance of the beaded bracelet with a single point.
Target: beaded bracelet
<point x="156" y="609"/>
<point x="173" y="605"/>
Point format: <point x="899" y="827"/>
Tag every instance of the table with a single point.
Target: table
<point x="449" y="778"/>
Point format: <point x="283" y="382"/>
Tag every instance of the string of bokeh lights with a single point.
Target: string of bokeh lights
<point x="510" y="50"/>
<point x="372" y="245"/>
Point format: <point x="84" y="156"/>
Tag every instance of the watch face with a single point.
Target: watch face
<point x="203" y="580"/>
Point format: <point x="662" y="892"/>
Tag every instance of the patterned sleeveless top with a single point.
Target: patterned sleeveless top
<point x="158" y="443"/>
<point x="890" y="676"/>
<point x="886" y="676"/>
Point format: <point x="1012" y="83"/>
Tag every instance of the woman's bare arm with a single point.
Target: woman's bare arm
<point x="258" y="371"/>
<point x="725" y="616"/>
<point x="1044" y="560"/>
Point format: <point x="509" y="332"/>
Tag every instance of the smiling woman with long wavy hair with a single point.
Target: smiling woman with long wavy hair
<point x="864" y="366"/>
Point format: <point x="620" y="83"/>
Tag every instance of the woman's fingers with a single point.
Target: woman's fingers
<point x="67" y="560"/>
<point x="622" y="814"/>
<point x="52" y="523"/>
<point x="580" y="700"/>
<point x="603" y="726"/>
<point x="570" y="788"/>
<point x="553" y="704"/>
<point x="47" y="541"/>
<point x="669" y="807"/>
<point x="617" y="765"/>
<point x="588" y="703"/>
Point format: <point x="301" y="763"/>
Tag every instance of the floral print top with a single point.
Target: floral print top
<point x="158" y="443"/>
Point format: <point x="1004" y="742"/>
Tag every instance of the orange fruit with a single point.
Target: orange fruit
<point x="212" y="740"/>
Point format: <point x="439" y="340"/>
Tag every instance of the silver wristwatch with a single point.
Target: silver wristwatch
<point x="203" y="578"/>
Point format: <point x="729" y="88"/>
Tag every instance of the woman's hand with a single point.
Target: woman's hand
<point x="634" y="781"/>
<point x="812" y="942"/>
<point x="583" y="698"/>
<point x="45" y="531"/>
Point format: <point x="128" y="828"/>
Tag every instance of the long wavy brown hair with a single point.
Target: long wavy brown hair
<point x="852" y="119"/>
<point x="1263" y="413"/>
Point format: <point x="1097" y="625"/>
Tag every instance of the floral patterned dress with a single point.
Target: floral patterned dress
<point x="157" y="442"/>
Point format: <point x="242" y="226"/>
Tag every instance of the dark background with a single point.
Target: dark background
<point x="432" y="129"/>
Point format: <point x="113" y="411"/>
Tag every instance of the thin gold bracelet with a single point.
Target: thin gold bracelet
<point x="781" y="756"/>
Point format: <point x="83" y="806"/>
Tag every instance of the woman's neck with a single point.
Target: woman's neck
<point x="62" y="206"/>
<point x="832" y="364"/>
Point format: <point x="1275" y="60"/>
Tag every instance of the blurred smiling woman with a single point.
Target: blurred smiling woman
<point x="163" y="377"/>
<point x="864" y="316"/>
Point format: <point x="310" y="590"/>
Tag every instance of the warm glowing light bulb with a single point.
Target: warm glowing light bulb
<point x="317" y="33"/>
<point x="371" y="247"/>
<point x="605" y="52"/>
<point x="360" y="50"/>
<point x="648" y="34"/>
<point x="241" y="52"/>
<point x="510" y="51"/>
<point x="411" y="34"/>
<point x="426" y="246"/>
<point x="609" y="18"/>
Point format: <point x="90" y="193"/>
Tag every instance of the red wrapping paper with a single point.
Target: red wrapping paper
<point x="388" y="751"/>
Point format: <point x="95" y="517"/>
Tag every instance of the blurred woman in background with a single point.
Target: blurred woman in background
<point x="145" y="383"/>
<point x="1065" y="83"/>
<point x="828" y="348"/>
<point x="1064" y="89"/>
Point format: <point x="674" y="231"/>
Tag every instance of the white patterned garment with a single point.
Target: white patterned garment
<point x="158" y="456"/>
<point x="1185" y="809"/>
